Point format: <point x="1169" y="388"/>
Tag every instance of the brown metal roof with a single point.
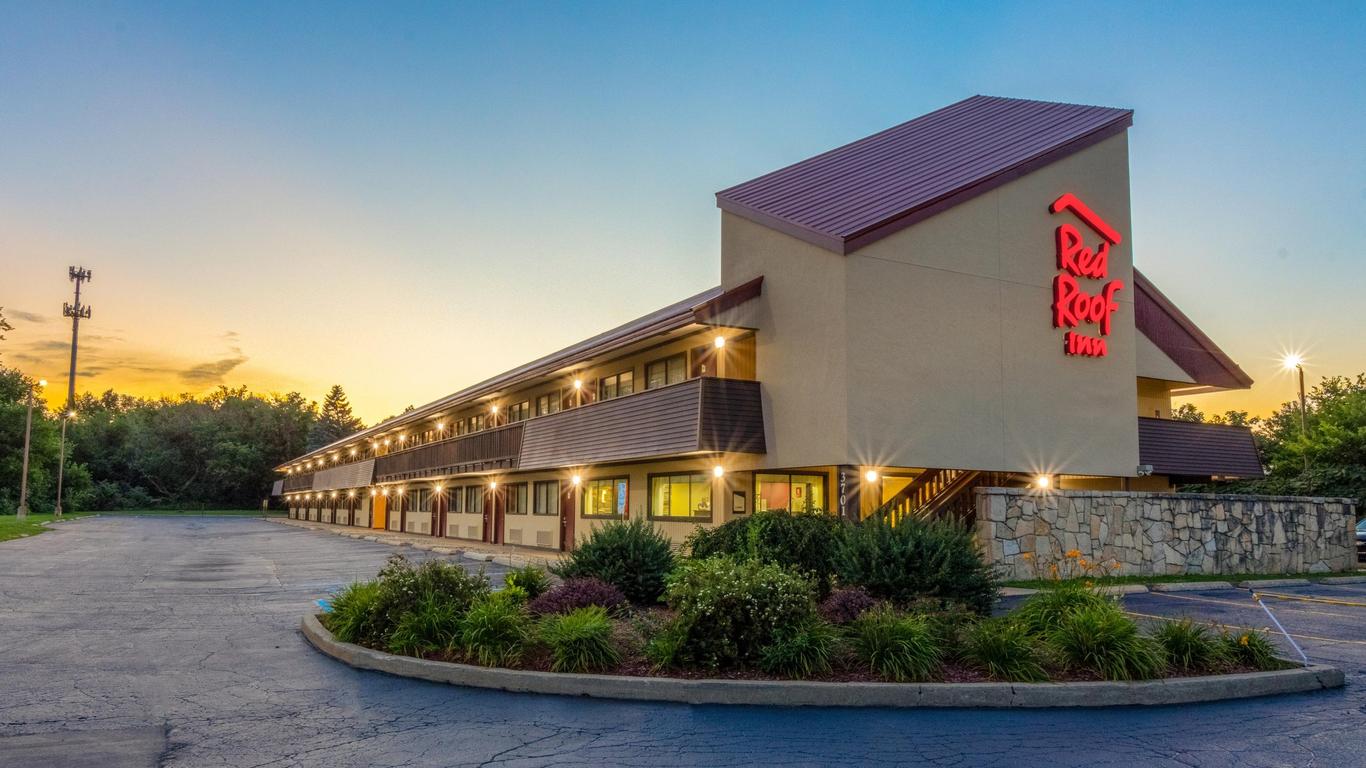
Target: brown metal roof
<point x="1194" y="449"/>
<point x="1180" y="339"/>
<point x="858" y="193"/>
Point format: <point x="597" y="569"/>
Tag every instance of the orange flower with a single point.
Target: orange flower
<point x="1027" y="556"/>
<point x="1074" y="553"/>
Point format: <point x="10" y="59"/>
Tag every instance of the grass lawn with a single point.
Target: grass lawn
<point x="11" y="527"/>
<point x="1180" y="578"/>
<point x="192" y="512"/>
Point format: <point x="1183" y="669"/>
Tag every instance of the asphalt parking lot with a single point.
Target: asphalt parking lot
<point x="174" y="642"/>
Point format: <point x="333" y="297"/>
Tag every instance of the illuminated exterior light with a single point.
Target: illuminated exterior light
<point x="441" y="427"/>
<point x="385" y="491"/>
<point x="353" y="451"/>
<point x="351" y="494"/>
<point x="334" y="494"/>
<point x="720" y="342"/>
<point x="373" y="492"/>
<point x="42" y="382"/>
<point x="493" y="484"/>
<point x="576" y="479"/>
<point x="386" y="442"/>
<point x="1292" y="361"/>
<point x="438" y="487"/>
<point x="1043" y="481"/>
<point x="494" y="408"/>
<point x="718" y="471"/>
<point x="871" y="476"/>
<point x="403" y="438"/>
<point x="578" y="384"/>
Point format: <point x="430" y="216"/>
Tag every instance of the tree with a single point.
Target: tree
<point x="336" y="420"/>
<point x="4" y="324"/>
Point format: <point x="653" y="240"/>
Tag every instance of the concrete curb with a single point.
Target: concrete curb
<point x="1018" y="592"/>
<point x="1343" y="580"/>
<point x="1189" y="586"/>
<point x="1124" y="589"/>
<point x="795" y="693"/>
<point x="1253" y="584"/>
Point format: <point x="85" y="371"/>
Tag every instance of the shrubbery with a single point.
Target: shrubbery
<point x="532" y="580"/>
<point x="728" y="611"/>
<point x="896" y="646"/>
<point x="1250" y="648"/>
<point x="580" y="641"/>
<point x="915" y="560"/>
<point x="805" y="543"/>
<point x="846" y="604"/>
<point x="633" y="556"/>
<point x="494" y="631"/>
<point x="1103" y="641"/>
<point x="578" y="593"/>
<point x="1005" y="650"/>
<point x="1190" y="647"/>
<point x="802" y="651"/>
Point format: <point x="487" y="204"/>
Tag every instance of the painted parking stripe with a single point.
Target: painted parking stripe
<point x="1310" y="599"/>
<point x="1318" y="638"/>
<point x="1250" y="605"/>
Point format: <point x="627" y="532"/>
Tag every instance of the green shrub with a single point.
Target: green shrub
<point x="532" y="580"/>
<point x="580" y="641"/>
<point x="1102" y="640"/>
<point x="805" y="543"/>
<point x="802" y="652"/>
<point x="1251" y="648"/>
<point x="1190" y="647"/>
<point x="664" y="648"/>
<point x="633" y="555"/>
<point x="1045" y="611"/>
<point x="353" y="612"/>
<point x="432" y="625"/>
<point x="494" y="632"/>
<point x="897" y="647"/>
<point x="1005" y="650"/>
<point x="729" y="611"/>
<point x="512" y="594"/>
<point x="949" y="622"/>
<point x="402" y="584"/>
<point x="914" y="559"/>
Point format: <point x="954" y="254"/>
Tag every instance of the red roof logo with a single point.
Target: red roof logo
<point x="1074" y="306"/>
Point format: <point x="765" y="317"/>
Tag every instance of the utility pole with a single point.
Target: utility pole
<point x="75" y="311"/>
<point x="22" y="512"/>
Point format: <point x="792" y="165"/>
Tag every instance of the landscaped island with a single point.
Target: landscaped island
<point x="780" y="597"/>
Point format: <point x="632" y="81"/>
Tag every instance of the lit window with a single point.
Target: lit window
<point x="474" y="500"/>
<point x="605" y="497"/>
<point x="680" y="496"/>
<point x="519" y="412"/>
<point x="802" y="494"/>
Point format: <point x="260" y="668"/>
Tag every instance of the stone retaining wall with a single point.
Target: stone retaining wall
<point x="1026" y="530"/>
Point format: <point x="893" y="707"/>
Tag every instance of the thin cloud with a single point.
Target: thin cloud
<point x="213" y="372"/>
<point x="28" y="317"/>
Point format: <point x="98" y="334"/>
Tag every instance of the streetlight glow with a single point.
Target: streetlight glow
<point x="1292" y="361"/>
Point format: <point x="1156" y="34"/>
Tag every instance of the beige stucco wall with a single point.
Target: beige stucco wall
<point x="934" y="347"/>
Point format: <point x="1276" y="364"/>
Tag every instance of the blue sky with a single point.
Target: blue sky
<point x="281" y="192"/>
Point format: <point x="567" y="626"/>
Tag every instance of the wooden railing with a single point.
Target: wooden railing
<point x="939" y="493"/>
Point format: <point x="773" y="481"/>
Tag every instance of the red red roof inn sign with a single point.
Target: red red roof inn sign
<point x="1073" y="306"/>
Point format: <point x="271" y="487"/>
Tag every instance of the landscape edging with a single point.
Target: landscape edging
<point x="1181" y="690"/>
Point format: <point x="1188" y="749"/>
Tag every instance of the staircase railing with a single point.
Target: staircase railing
<point x="938" y="492"/>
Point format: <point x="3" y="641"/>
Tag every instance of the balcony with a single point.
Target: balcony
<point x="695" y="416"/>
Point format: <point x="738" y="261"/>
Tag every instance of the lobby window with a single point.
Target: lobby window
<point x="478" y="422"/>
<point x="670" y="370"/>
<point x="519" y="411"/>
<point x="616" y="385"/>
<point x="474" y="499"/>
<point x="546" y="497"/>
<point x="686" y="497"/>
<point x="516" y="499"/>
<point x="605" y="497"/>
<point x="791" y="493"/>
<point x="548" y="404"/>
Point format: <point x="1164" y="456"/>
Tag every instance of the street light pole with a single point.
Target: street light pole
<point x="22" y="512"/>
<point x="1296" y="363"/>
<point x="61" y="463"/>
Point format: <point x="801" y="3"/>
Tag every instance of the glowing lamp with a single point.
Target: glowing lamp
<point x="1043" y="481"/>
<point x="871" y="476"/>
<point x="720" y="342"/>
<point x="718" y="471"/>
<point x="576" y="479"/>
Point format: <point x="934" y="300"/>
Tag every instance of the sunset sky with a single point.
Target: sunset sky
<point x="288" y="196"/>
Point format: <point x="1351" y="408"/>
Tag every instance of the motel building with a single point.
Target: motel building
<point x="947" y="306"/>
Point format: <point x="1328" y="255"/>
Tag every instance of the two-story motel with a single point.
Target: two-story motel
<point x="947" y="304"/>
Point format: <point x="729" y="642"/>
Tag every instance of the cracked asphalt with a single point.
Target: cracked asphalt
<point x="175" y="642"/>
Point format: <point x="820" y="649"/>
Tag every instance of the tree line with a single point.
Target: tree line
<point x="1326" y="458"/>
<point x="218" y="451"/>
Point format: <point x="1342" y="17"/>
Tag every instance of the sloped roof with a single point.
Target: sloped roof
<point x="1180" y="339"/>
<point x="856" y="194"/>
<point x="1194" y="449"/>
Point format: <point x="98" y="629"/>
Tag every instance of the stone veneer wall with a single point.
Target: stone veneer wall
<point x="1166" y="533"/>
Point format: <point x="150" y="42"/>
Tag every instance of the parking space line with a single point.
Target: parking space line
<point x="1249" y="605"/>
<point x="1310" y="599"/>
<point x="1318" y="638"/>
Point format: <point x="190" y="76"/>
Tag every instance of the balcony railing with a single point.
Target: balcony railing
<point x="699" y="415"/>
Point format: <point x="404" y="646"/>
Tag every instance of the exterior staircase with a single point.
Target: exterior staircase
<point x="939" y="493"/>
